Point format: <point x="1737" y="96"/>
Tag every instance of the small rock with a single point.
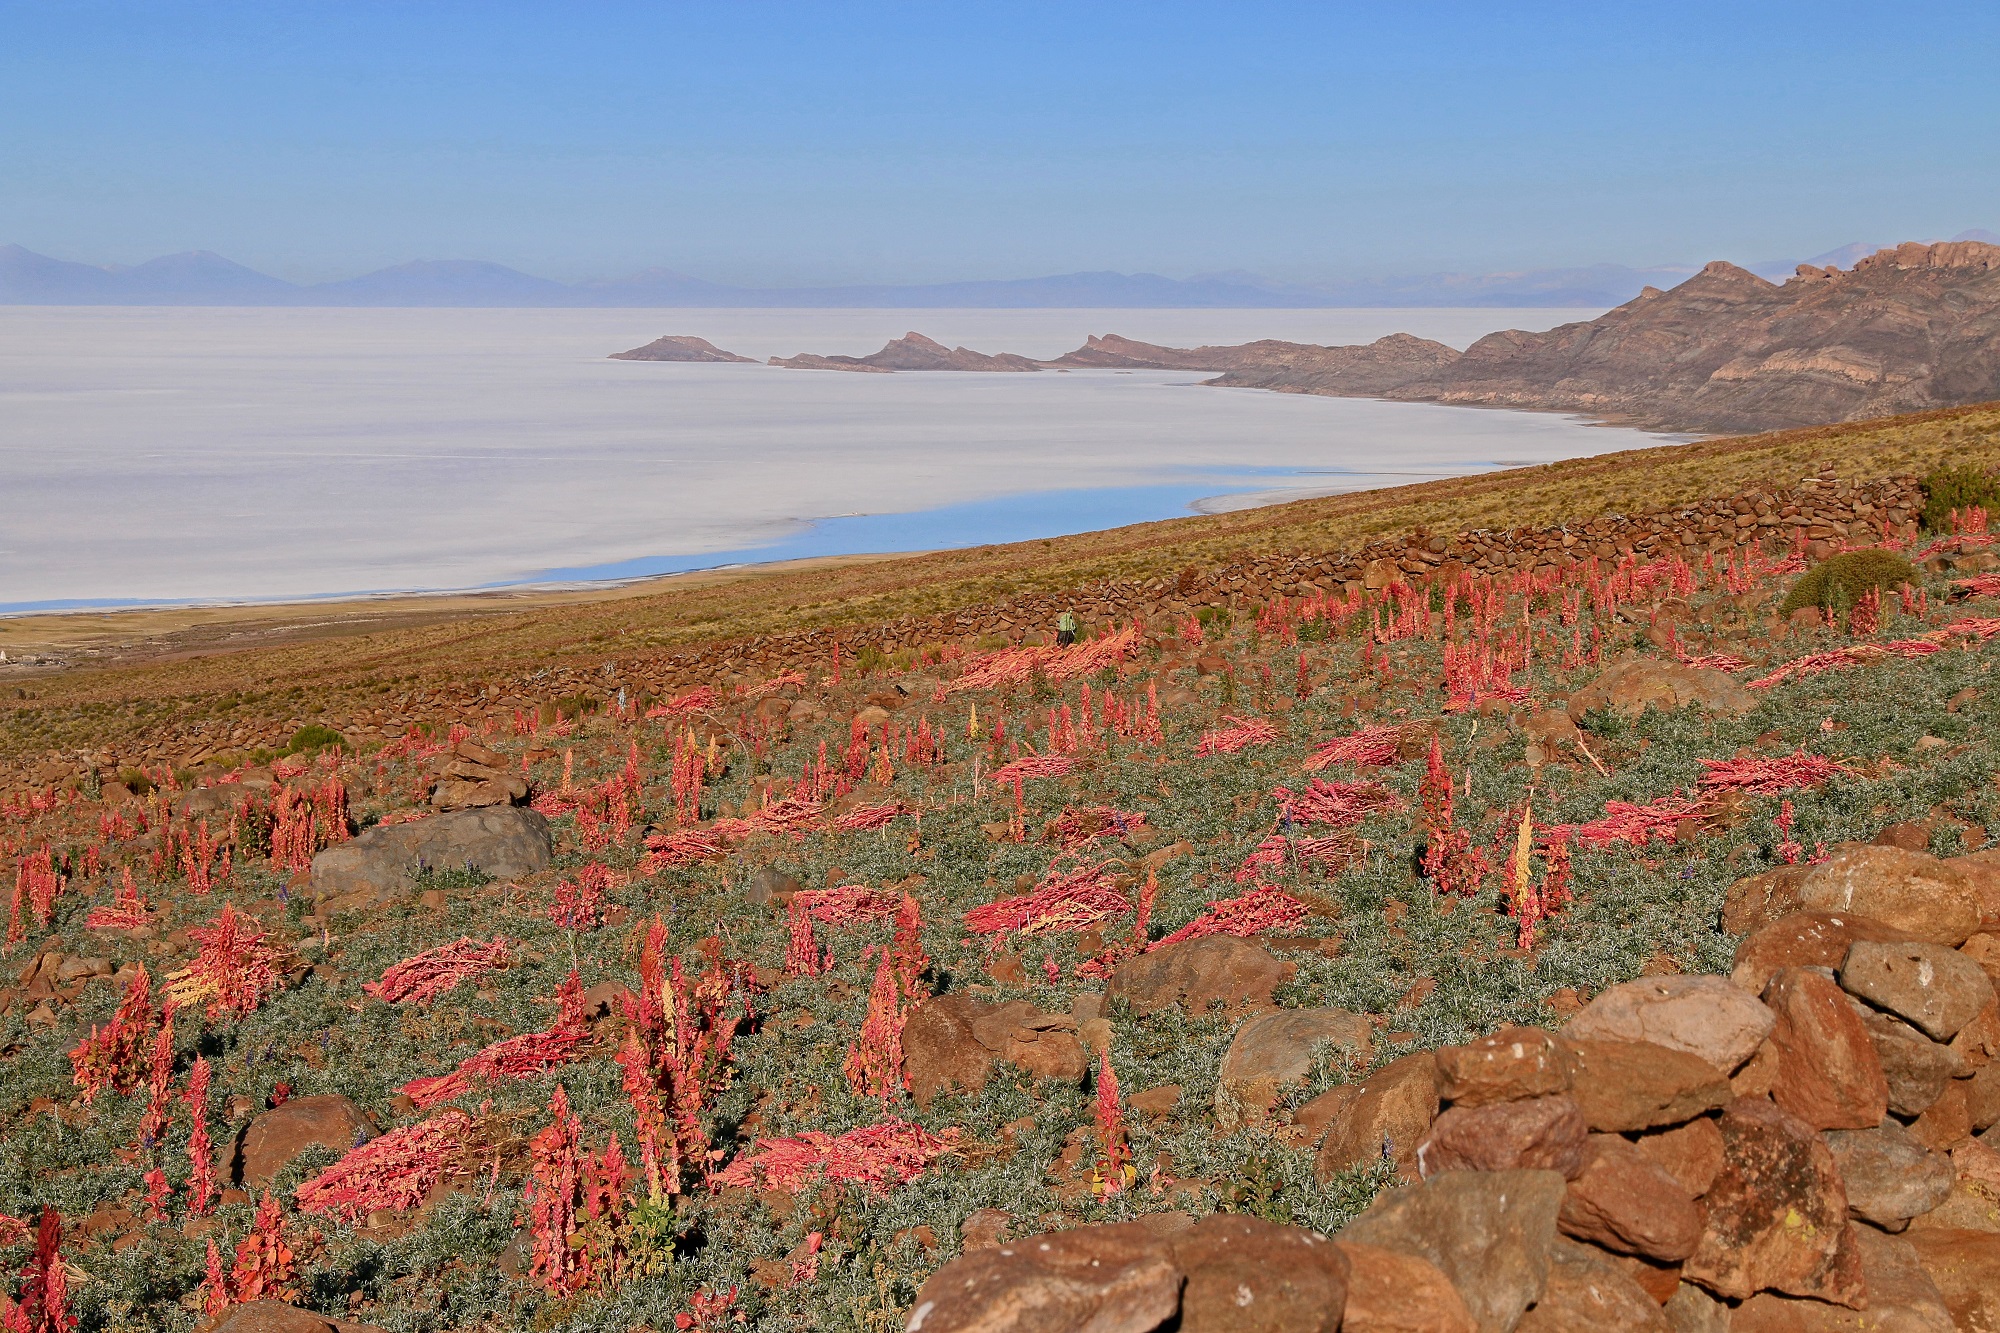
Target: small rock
<point x="767" y="886"/>
<point x="1624" y="1200"/>
<point x="1511" y="1065"/>
<point x="1776" y="1215"/>
<point x="1934" y="987"/>
<point x="1982" y="1098"/>
<point x="1539" y="1134"/>
<point x="1118" y="1279"/>
<point x="1154" y="1103"/>
<point x="939" y="1049"/>
<point x="1275" y="1050"/>
<point x="1690" y="1153"/>
<point x="1889" y="1176"/>
<point x="1963" y="1265"/>
<point x="277" y="1317"/>
<point x="1488" y="1232"/>
<point x="1632" y="687"/>
<point x="984" y="1228"/>
<point x="1215" y="971"/>
<point x="1760" y="900"/>
<point x="1588" y="1294"/>
<point x="1631" y="1085"/>
<point x="1703" y="1016"/>
<point x="1386" y="1113"/>
<point x="1972" y="1205"/>
<point x="1947" y="1122"/>
<point x="1247" y="1274"/>
<point x="1828" y="1072"/>
<point x="506" y="842"/>
<point x="1910" y="837"/>
<point x="1902" y="1298"/>
<point x="1802" y="939"/>
<point x="1984" y="950"/>
<point x="273" y="1139"/>
<point x="1916" y="1068"/>
<point x="1692" y="1310"/>
<point x="1392" y="1292"/>
<point x="1924" y="897"/>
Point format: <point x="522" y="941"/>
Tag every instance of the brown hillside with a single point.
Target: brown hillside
<point x="180" y="705"/>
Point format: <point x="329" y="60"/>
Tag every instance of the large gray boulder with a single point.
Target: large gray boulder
<point x="506" y="842"/>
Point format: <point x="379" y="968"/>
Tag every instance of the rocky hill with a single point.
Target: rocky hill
<point x="1376" y="368"/>
<point x="1904" y="330"/>
<point x="912" y="351"/>
<point x="678" y="347"/>
<point x="1910" y="328"/>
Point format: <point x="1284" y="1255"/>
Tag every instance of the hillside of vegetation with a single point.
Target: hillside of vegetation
<point x="689" y="994"/>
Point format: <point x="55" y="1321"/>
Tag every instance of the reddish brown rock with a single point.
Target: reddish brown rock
<point x="1972" y="1205"/>
<point x="1984" y="949"/>
<point x="1802" y="939"/>
<point x="1245" y="1275"/>
<point x="1624" y="1200"/>
<point x="1901" y="1298"/>
<point x="1273" y="1051"/>
<point x="1757" y="901"/>
<point x="276" y="1317"/>
<point x="1930" y="986"/>
<point x="1978" y="1042"/>
<point x="1776" y="1215"/>
<point x="1888" y="1175"/>
<point x="1690" y="1153"/>
<point x="274" y="1138"/>
<point x="1588" y="1293"/>
<point x="1982" y="1098"/>
<point x="1828" y="1073"/>
<point x="1947" y="1122"/>
<point x="954" y="1041"/>
<point x="1631" y="1085"/>
<point x="984" y="1228"/>
<point x="1704" y="1016"/>
<point x="1216" y="971"/>
<point x="1117" y="1279"/>
<point x="1633" y="686"/>
<point x="1982" y="875"/>
<point x="1392" y="1292"/>
<point x="1965" y="1265"/>
<point x="1916" y="1068"/>
<point x="1926" y="898"/>
<point x="1511" y="1065"/>
<point x="1390" y="1109"/>
<point x="1489" y="1232"/>
<point x="939" y="1049"/>
<point x="1539" y="1134"/>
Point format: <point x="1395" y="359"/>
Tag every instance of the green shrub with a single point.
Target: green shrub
<point x="1951" y="488"/>
<point x="312" y="738"/>
<point x="1835" y="583"/>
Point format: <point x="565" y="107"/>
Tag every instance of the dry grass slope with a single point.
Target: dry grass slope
<point x="102" y="707"/>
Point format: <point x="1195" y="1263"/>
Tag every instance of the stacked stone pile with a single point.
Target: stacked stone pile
<point x="1803" y="1145"/>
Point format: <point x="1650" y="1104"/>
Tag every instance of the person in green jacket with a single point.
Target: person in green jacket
<point x="1065" y="630"/>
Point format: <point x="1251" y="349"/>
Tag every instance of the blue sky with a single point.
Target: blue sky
<point x="777" y="143"/>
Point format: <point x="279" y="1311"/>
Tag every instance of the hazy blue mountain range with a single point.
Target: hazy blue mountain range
<point x="202" y="278"/>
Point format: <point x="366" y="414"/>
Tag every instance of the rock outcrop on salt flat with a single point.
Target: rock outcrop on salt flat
<point x="1907" y="329"/>
<point x="912" y="351"/>
<point x="1364" y="371"/>
<point x="679" y="347"/>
